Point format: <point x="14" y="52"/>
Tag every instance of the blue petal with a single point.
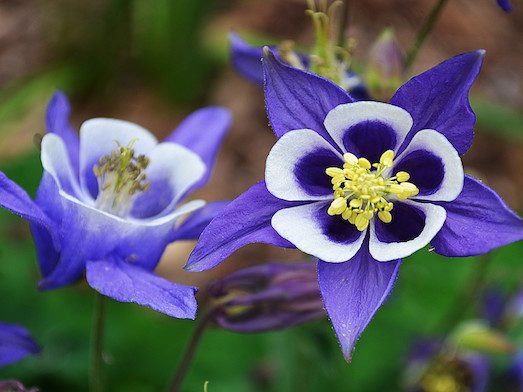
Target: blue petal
<point x="246" y="59"/>
<point x="90" y="234"/>
<point x="57" y="121"/>
<point x="193" y="226"/>
<point x="126" y="282"/>
<point x="48" y="199"/>
<point x="246" y="220"/>
<point x="438" y="99"/>
<point x="16" y="200"/>
<point x="298" y="99"/>
<point x="477" y="222"/>
<point x="203" y="133"/>
<point x="15" y="344"/>
<point x="505" y="5"/>
<point x="353" y="291"/>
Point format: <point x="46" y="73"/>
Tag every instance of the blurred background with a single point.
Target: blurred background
<point x="153" y="62"/>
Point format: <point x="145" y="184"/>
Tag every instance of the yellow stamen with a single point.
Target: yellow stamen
<point x="360" y="190"/>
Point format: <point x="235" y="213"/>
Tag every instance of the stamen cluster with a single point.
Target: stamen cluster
<point x="360" y="190"/>
<point x="120" y="176"/>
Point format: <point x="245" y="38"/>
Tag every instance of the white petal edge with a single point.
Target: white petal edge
<point x="129" y="223"/>
<point x="454" y="177"/>
<point x="434" y="219"/>
<point x="55" y="161"/>
<point x="179" y="165"/>
<point x="282" y="159"/>
<point x="299" y="226"/>
<point x="99" y="136"/>
<point x="344" y="116"/>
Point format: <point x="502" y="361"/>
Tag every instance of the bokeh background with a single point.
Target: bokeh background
<point x="153" y="62"/>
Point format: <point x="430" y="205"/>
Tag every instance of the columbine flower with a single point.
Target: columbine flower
<point x="327" y="58"/>
<point x="431" y="369"/>
<point x="109" y="200"/>
<point x="15" y="344"/>
<point x="267" y="297"/>
<point x="360" y="185"/>
<point x="505" y="5"/>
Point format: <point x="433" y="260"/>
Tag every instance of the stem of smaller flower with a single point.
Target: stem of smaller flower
<point x="190" y="350"/>
<point x="97" y="336"/>
<point x="344" y="23"/>
<point x="423" y="33"/>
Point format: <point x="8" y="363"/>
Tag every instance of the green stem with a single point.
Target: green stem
<point x="424" y="32"/>
<point x="190" y="350"/>
<point x="344" y="23"/>
<point x="97" y="337"/>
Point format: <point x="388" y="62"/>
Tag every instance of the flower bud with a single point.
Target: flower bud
<point x="385" y="66"/>
<point x="267" y="297"/>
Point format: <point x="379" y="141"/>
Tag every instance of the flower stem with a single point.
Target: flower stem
<point x="190" y="350"/>
<point x="344" y="23"/>
<point x="424" y="32"/>
<point x="97" y="337"/>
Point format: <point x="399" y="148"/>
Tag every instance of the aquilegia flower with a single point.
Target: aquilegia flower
<point x="361" y="185"/>
<point x="109" y="201"/>
<point x="431" y="368"/>
<point x="247" y="61"/>
<point x="15" y="344"/>
<point x="505" y="5"/>
<point x="267" y="297"/>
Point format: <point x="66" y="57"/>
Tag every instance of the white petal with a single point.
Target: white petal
<point x="302" y="226"/>
<point x="342" y="117"/>
<point x="284" y="160"/>
<point x="434" y="142"/>
<point x="100" y="136"/>
<point x="173" y="169"/>
<point x="55" y="161"/>
<point x="434" y="218"/>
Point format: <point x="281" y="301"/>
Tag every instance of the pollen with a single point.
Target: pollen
<point x="121" y="176"/>
<point x="361" y="190"/>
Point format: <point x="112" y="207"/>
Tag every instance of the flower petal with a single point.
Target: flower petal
<point x="434" y="166"/>
<point x="298" y="99"/>
<point x="353" y="292"/>
<point x="91" y="234"/>
<point x="246" y="59"/>
<point x="193" y="226"/>
<point x="477" y="222"/>
<point x="126" y="282"/>
<point x="296" y="166"/>
<point x="368" y="129"/>
<point x="172" y="171"/>
<point x="15" y="344"/>
<point x="57" y="121"/>
<point x="48" y="250"/>
<point x="16" y="200"/>
<point x="100" y="136"/>
<point x="438" y="99"/>
<point x="55" y="161"/>
<point x="505" y="5"/>
<point x="203" y="133"/>
<point x="246" y="220"/>
<point x="313" y="231"/>
<point x="412" y="227"/>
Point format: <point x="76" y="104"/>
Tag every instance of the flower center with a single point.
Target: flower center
<point x="121" y="177"/>
<point x="360" y="190"/>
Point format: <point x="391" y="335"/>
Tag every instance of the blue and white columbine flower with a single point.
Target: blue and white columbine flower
<point x="361" y="185"/>
<point x="109" y="201"/>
